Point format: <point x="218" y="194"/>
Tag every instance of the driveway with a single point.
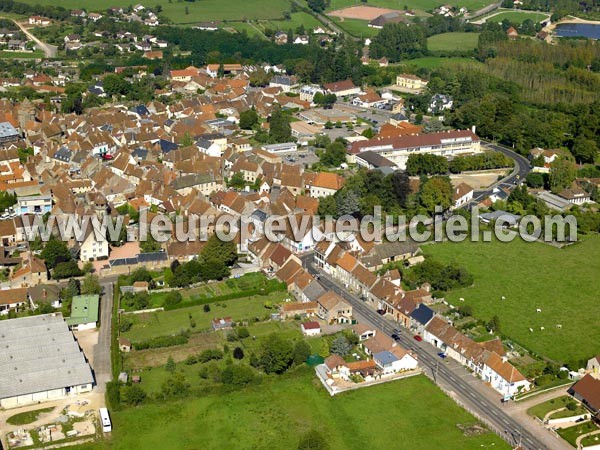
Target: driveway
<point x="102" y="363"/>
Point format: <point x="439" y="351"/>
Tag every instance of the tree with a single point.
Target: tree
<point x="317" y="5"/>
<point x="437" y="191"/>
<point x="327" y="206"/>
<point x="494" y="324"/>
<point x="238" y="353"/>
<point x="237" y="375"/>
<point x="396" y="41"/>
<point x="91" y="285"/>
<point x="280" y="129"/>
<point x="248" y="119"/>
<point x="66" y="270"/>
<point x="133" y="395"/>
<point x="562" y="174"/>
<point x="340" y="346"/>
<point x="170" y="365"/>
<point x="584" y="150"/>
<point x="115" y="85"/>
<point x="276" y="354"/>
<point x="55" y="252"/>
<point x="243" y="333"/>
<point x="149" y="245"/>
<point x="334" y="154"/>
<point x="301" y="352"/>
<point x="219" y="251"/>
<point x="174" y="386"/>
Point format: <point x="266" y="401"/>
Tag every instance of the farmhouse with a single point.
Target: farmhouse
<point x="587" y="391"/>
<point x="11" y="299"/>
<point x="462" y="194"/>
<point x="40" y="361"/>
<point x="311" y="328"/>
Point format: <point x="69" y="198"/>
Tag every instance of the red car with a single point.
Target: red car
<point x="417" y="338"/>
<point x="107" y="156"/>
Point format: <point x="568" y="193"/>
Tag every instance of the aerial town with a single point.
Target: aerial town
<point x="300" y="225"/>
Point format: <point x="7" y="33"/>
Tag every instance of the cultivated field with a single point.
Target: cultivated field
<point x="563" y="283"/>
<point x="460" y="42"/>
<point x="199" y="11"/>
<point x="276" y="413"/>
<point x="433" y="62"/>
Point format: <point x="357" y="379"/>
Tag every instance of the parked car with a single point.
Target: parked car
<point x="381" y="312"/>
<point x="416" y="337"/>
<point x="442" y="355"/>
<point x="395" y="337"/>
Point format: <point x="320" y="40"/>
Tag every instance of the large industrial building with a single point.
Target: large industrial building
<point x="398" y="149"/>
<point x="40" y="361"/>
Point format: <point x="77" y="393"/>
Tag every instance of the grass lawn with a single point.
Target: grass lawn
<point x="572" y="433"/>
<point x="199" y="11"/>
<point x="453" y="42"/>
<point x="163" y="323"/>
<point x="27" y="417"/>
<point x="540" y="410"/>
<point x="21" y="55"/>
<point x="591" y="440"/>
<point x="274" y="414"/>
<point x="298" y="18"/>
<point x="249" y="28"/>
<point x="517" y="17"/>
<point x="563" y="283"/>
<point x="355" y="27"/>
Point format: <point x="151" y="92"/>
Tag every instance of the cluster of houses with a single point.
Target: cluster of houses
<point x="13" y="40"/>
<point x="138" y="13"/>
<point x="123" y="41"/>
<point x="319" y="34"/>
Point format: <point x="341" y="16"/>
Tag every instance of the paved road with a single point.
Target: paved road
<point x="102" y="363"/>
<point x="49" y="50"/>
<point x="452" y="377"/>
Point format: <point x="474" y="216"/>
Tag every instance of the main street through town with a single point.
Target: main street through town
<point x="449" y="375"/>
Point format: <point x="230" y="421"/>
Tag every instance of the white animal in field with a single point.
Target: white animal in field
<point x="559" y="326"/>
<point x="531" y="329"/>
<point x="462" y="299"/>
<point x="542" y="328"/>
<point x="503" y="297"/>
<point x="538" y="310"/>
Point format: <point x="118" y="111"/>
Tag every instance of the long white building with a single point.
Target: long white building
<point x="398" y="149"/>
<point x="40" y="361"/>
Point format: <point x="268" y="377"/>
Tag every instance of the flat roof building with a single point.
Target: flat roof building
<point x="84" y="312"/>
<point x="40" y="361"/>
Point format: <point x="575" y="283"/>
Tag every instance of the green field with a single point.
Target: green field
<point x="297" y="19"/>
<point x="355" y="27"/>
<point x="163" y="323"/>
<point x="517" y="17"/>
<point x="563" y="283"/>
<point x="433" y="62"/>
<point x="199" y="11"/>
<point x="423" y="5"/>
<point x="274" y="414"/>
<point x="447" y="42"/>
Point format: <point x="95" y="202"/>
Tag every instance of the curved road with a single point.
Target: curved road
<point x="522" y="168"/>
<point x="49" y="50"/>
<point x="460" y="384"/>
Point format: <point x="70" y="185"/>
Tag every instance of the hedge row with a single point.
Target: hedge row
<point x="272" y="287"/>
<point x="162" y="341"/>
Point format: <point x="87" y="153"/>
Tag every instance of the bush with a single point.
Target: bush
<point x="571" y="406"/>
<point x="243" y="332"/>
<point x="209" y="355"/>
<point x="113" y="395"/>
<point x="133" y="395"/>
<point x="231" y="336"/>
<point x="238" y="353"/>
<point x="172" y="298"/>
<point x="125" y="325"/>
<point x="238" y="375"/>
<point x="206" y="308"/>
